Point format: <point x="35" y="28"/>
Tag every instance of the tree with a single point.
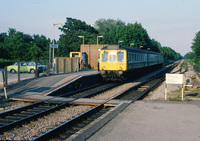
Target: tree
<point x="156" y="46"/>
<point x="170" y="54"/>
<point x="189" y="55"/>
<point x="17" y="45"/>
<point x="35" y="52"/>
<point x="69" y="40"/>
<point x="131" y="33"/>
<point x="196" y="47"/>
<point x="43" y="43"/>
<point x="103" y="26"/>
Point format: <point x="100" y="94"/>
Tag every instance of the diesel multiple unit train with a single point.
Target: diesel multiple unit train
<point x="119" y="62"/>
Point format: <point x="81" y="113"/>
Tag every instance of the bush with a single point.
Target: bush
<point x="5" y="62"/>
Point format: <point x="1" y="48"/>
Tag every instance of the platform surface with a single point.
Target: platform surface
<point x="153" y="121"/>
<point x="35" y="88"/>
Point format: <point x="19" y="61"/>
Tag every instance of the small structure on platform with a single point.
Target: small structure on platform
<point x="91" y="54"/>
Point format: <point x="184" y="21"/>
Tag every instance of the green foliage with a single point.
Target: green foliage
<point x="196" y="44"/>
<point x="170" y="54"/>
<point x="104" y="26"/>
<point x="19" y="46"/>
<point x="195" y="55"/>
<point x="69" y="40"/>
<point x="174" y="98"/>
<point x="198" y="96"/>
<point x="5" y="62"/>
<point x="189" y="55"/>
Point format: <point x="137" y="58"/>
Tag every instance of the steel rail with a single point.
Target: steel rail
<point x="55" y="132"/>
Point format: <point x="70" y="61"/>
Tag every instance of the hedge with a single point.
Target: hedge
<point x="5" y="62"/>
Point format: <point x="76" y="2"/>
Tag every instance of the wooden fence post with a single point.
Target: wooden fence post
<point x="6" y="77"/>
<point x="18" y="72"/>
<point x="64" y="65"/>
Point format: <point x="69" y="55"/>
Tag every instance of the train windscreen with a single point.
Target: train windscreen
<point x="104" y="57"/>
<point x="120" y="56"/>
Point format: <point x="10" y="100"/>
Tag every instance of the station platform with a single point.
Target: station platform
<point x="37" y="88"/>
<point x="153" y="121"/>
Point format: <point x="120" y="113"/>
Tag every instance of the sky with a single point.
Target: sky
<point x="173" y="23"/>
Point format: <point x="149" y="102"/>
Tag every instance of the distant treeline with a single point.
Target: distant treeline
<point x="16" y="45"/>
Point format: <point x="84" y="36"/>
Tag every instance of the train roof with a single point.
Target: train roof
<point x="120" y="47"/>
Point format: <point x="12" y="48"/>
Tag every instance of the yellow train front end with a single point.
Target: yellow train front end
<point x="113" y="64"/>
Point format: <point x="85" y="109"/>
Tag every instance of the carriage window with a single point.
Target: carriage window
<point x="112" y="57"/>
<point x="120" y="57"/>
<point x="104" y="56"/>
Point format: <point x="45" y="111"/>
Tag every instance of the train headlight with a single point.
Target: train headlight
<point x="102" y="72"/>
<point x="120" y="72"/>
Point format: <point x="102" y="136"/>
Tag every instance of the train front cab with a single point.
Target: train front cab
<point x="112" y="64"/>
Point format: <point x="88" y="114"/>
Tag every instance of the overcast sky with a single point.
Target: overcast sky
<point x="173" y="23"/>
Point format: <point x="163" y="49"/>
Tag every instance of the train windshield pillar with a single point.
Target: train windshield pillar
<point x="112" y="57"/>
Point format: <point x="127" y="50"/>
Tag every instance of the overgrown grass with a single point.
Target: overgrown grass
<point x="174" y="98"/>
<point x="198" y="96"/>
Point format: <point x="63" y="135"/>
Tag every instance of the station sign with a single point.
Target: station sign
<point x="53" y="45"/>
<point x="174" y="78"/>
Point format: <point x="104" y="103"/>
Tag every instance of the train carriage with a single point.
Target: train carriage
<point x="119" y="62"/>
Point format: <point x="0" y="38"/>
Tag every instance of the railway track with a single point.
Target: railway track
<point x="66" y="130"/>
<point x="17" y="117"/>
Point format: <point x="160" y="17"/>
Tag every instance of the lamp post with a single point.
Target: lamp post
<point x="119" y="42"/>
<point x="53" y="48"/>
<point x="82" y="53"/>
<point x="97" y="39"/>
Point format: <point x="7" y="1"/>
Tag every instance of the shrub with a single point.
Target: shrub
<point x="5" y="62"/>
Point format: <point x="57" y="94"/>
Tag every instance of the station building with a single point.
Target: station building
<point x="91" y="54"/>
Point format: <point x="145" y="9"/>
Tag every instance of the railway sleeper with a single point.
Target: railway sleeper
<point x="3" y="124"/>
<point x="20" y="115"/>
<point x="91" y="118"/>
<point x="13" y="117"/>
<point x="72" y="131"/>
<point x="6" y="120"/>
<point x="77" y="127"/>
<point x="82" y="124"/>
<point x="58" y="139"/>
<point x="29" y="112"/>
<point x="65" y="135"/>
<point x="38" y="110"/>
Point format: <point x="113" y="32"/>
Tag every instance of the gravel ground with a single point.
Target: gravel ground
<point x="42" y="125"/>
<point x="115" y="91"/>
<point x="7" y="105"/>
<point x="173" y="90"/>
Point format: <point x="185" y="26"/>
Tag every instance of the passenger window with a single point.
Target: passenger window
<point x="120" y="56"/>
<point x="104" y="57"/>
